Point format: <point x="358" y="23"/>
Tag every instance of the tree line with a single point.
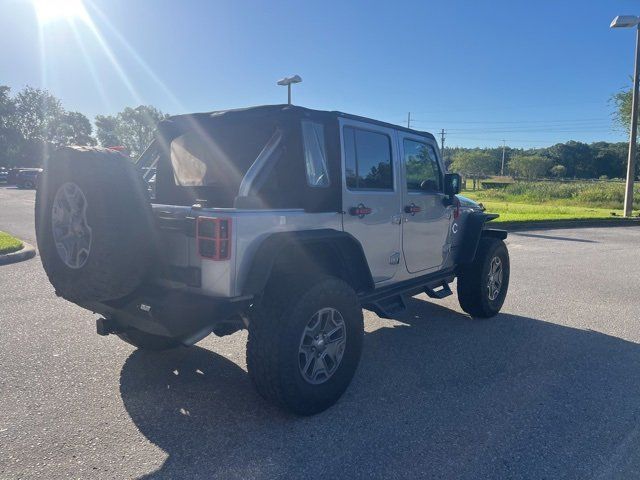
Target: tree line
<point x="33" y="122"/>
<point x="564" y="160"/>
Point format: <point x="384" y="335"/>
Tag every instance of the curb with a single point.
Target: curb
<point x="26" y="253"/>
<point x="559" y="224"/>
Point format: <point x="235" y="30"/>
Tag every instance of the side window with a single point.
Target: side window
<point x="421" y="164"/>
<point x="368" y="164"/>
<point x="315" y="154"/>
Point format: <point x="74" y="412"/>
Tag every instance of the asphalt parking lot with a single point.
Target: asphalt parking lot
<point x="548" y="389"/>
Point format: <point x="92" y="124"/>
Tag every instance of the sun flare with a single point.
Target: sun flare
<point x="52" y="10"/>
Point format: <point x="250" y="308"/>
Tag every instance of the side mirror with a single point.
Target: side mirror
<point x="452" y="183"/>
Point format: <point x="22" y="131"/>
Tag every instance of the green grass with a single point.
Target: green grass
<point x="521" y="212"/>
<point x="9" y="244"/>
<point x="525" y="201"/>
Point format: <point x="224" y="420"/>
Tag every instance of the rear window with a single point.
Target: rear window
<point x="368" y="163"/>
<point x="195" y="165"/>
<point x="217" y="157"/>
<point x="315" y="154"/>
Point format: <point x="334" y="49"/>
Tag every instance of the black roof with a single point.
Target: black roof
<point x="267" y="110"/>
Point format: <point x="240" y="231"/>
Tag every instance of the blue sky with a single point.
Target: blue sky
<point x="532" y="73"/>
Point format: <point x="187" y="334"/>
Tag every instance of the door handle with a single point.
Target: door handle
<point x="360" y="211"/>
<point x="412" y="209"/>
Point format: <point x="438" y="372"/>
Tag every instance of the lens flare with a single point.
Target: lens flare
<point x="52" y="10"/>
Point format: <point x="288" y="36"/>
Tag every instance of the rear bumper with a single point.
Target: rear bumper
<point x="171" y="313"/>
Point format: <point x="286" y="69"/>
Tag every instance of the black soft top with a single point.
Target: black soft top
<point x="284" y="110"/>
<point x="237" y="136"/>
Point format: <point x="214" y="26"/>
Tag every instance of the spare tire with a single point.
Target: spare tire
<point x="94" y="224"/>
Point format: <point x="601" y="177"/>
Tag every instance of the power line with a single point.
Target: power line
<point x="509" y="122"/>
<point x="590" y="129"/>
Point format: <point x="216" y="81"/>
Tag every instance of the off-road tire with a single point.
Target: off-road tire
<point x="119" y="214"/>
<point x="275" y="331"/>
<point x="472" y="280"/>
<point x="147" y="341"/>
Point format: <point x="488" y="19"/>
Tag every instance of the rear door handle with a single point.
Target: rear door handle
<point x="360" y="211"/>
<point x="412" y="209"/>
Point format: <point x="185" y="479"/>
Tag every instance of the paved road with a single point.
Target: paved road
<point x="549" y="389"/>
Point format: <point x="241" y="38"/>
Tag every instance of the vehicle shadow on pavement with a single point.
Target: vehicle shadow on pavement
<point x="437" y="395"/>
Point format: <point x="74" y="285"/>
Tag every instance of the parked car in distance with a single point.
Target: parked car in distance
<point x="28" y="178"/>
<point x="12" y="176"/>
<point x="3" y="175"/>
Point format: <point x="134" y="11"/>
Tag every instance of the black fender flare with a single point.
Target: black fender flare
<point x="474" y="231"/>
<point x="345" y="250"/>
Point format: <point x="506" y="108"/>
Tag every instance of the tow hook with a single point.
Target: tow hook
<point x="107" y="326"/>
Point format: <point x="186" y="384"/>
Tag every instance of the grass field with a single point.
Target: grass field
<point x="9" y="244"/>
<point x="524" y="201"/>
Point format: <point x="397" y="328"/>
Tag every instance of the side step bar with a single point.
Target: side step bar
<point x="389" y="302"/>
<point x="389" y="307"/>
<point x="439" y="291"/>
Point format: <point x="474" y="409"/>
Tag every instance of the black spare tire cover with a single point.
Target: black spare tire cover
<point x="94" y="224"/>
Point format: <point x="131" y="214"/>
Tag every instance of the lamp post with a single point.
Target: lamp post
<point x="629" y="21"/>
<point x="288" y="81"/>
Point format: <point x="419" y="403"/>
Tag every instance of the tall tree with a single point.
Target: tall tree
<point x="475" y="162"/>
<point x="576" y="157"/>
<point x="622" y="109"/>
<point x="132" y="127"/>
<point x="38" y="114"/>
<point x="529" y="166"/>
<point x="73" y="129"/>
<point x="106" y="126"/>
<point x="10" y="138"/>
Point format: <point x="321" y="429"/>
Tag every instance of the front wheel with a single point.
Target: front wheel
<point x="483" y="284"/>
<point x="305" y="341"/>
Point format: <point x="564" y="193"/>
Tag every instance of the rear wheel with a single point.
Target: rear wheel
<point x="483" y="284"/>
<point x="305" y="342"/>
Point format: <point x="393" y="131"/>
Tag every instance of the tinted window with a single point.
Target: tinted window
<point x="421" y="164"/>
<point x="315" y="155"/>
<point x="367" y="160"/>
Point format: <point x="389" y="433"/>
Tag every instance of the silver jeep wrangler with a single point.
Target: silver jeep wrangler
<point x="279" y="219"/>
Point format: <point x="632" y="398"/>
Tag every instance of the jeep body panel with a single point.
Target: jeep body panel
<point x="317" y="251"/>
<point x="379" y="232"/>
<point x="425" y="232"/>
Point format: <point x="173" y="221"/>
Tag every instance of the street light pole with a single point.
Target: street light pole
<point x="631" y="162"/>
<point x="627" y="21"/>
<point x="288" y="81"/>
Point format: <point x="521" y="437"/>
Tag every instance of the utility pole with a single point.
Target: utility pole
<point x="442" y="134"/>
<point x="504" y="145"/>
<point x="409" y="120"/>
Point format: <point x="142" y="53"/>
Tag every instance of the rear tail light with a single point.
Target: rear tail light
<point x="214" y="238"/>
